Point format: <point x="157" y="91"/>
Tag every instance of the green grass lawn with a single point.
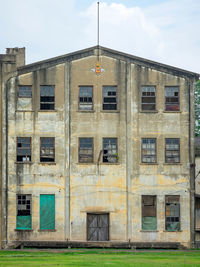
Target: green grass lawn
<point x="99" y="258"/>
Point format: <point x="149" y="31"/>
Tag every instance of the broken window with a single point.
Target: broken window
<point x="148" y="98"/>
<point x="149" y="221"/>
<point x="23" y="149"/>
<point x="47" y="97"/>
<point x="148" y="150"/>
<point x="47" y="151"/>
<point x="172" y="150"/>
<point x="110" y="150"/>
<point x="172" y="213"/>
<point x="171" y="98"/>
<point x="85" y="150"/>
<point x="23" y="212"/>
<point x="24" y="91"/>
<point x="109" y="98"/>
<point x="85" y="98"/>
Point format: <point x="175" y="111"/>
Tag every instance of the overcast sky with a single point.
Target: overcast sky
<point x="167" y="31"/>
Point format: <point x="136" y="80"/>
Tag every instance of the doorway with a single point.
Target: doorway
<point x="97" y="227"/>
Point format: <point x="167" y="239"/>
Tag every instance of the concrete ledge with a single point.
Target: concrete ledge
<point x="106" y="244"/>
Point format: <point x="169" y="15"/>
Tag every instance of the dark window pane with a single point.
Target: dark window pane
<point x="23" y="149"/>
<point x="86" y="150"/>
<point x="47" y="97"/>
<point x="109" y="98"/>
<point x="22" y="208"/>
<point x="85" y="98"/>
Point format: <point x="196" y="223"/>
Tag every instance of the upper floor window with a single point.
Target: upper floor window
<point x="148" y="150"/>
<point x="172" y="150"/>
<point x="172" y="213"/>
<point x="85" y="98"/>
<point x="23" y="149"/>
<point x="85" y="150"/>
<point x="110" y="150"/>
<point x="171" y="98"/>
<point x="24" y="91"/>
<point x="109" y="98"/>
<point x="47" y="149"/>
<point x="24" y="99"/>
<point x="47" y="97"/>
<point x="148" y="98"/>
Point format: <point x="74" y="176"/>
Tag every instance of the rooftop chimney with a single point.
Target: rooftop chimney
<point x="20" y="55"/>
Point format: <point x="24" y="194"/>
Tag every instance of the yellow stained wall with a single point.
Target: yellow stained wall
<point x="99" y="188"/>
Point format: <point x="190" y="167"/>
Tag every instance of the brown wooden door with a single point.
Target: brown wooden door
<point x="97" y="227"/>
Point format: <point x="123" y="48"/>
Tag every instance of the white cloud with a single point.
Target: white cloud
<point x="167" y="32"/>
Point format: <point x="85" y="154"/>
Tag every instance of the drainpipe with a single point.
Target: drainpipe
<point x="192" y="176"/>
<point x="6" y="189"/>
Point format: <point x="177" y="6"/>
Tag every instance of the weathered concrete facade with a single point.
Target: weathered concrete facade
<point x="14" y="57"/>
<point x="111" y="189"/>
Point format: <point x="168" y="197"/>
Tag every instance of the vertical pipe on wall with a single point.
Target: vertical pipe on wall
<point x="128" y="147"/>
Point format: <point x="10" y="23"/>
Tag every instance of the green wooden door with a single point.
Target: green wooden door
<point x="47" y="212"/>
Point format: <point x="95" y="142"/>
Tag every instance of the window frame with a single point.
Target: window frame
<point x="172" y="104"/>
<point x="79" y="102"/>
<point x="178" y="196"/>
<point x="45" y="102"/>
<point x="47" y="162"/>
<point x="26" y="161"/>
<point x="107" y="162"/>
<point x="92" y="150"/>
<point x="156" y="203"/>
<point x="141" y="97"/>
<point x="116" y="103"/>
<point x="145" y="162"/>
<point x="179" y="153"/>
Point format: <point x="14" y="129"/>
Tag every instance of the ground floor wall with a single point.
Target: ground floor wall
<point x="101" y="204"/>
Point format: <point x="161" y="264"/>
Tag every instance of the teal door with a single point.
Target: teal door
<point x="47" y="212"/>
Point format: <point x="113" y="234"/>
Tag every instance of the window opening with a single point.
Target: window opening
<point x="172" y="213"/>
<point x="149" y="220"/>
<point x="24" y="91"/>
<point x="109" y="98"/>
<point x="23" y="212"/>
<point x="85" y="98"/>
<point x="172" y="150"/>
<point x="171" y="98"/>
<point x="47" y="150"/>
<point x="148" y="98"/>
<point x="86" y="150"/>
<point x="148" y="150"/>
<point x="110" y="150"/>
<point x="47" y="97"/>
<point x="23" y="149"/>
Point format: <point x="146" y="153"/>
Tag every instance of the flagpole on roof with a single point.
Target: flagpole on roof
<point x="98" y="31"/>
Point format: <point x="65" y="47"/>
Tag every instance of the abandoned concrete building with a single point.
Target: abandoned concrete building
<point x="97" y="150"/>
